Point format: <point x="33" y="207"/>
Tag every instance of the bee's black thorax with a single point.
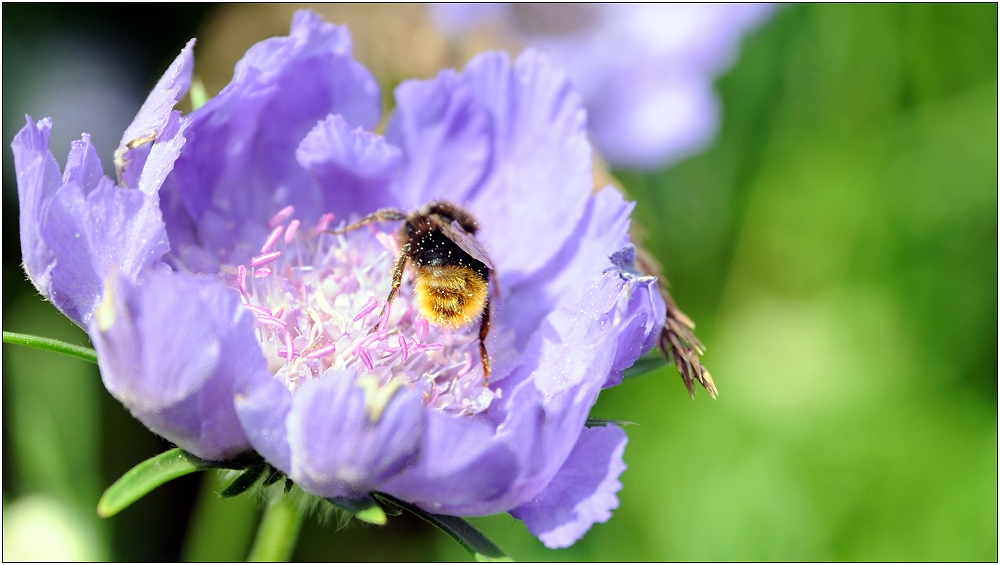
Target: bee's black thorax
<point x="429" y="247"/>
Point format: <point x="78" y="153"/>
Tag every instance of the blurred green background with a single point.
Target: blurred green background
<point x="837" y="247"/>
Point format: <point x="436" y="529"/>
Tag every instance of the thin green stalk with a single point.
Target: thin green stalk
<point x="278" y="531"/>
<point x="85" y="353"/>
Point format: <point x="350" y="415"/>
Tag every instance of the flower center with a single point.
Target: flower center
<point x="318" y="300"/>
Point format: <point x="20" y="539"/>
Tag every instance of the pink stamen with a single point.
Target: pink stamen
<point x="422" y="347"/>
<point x="404" y="349"/>
<point x="265" y="259"/>
<point x="384" y="322"/>
<point x="465" y="368"/>
<point x="367" y="309"/>
<point x="273" y="322"/>
<point x="241" y="279"/>
<point x="272" y="239"/>
<point x="281" y="216"/>
<point x="293" y="228"/>
<point x="261" y="273"/>
<point x="366" y="359"/>
<point x="258" y="310"/>
<point x="324" y="221"/>
<point x="421" y="326"/>
<point x="388" y="241"/>
<point x="289" y="346"/>
<point x="322" y="351"/>
<point x="365" y="342"/>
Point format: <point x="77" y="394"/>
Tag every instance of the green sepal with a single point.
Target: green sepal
<point x="474" y="541"/>
<point x="594" y="422"/>
<point x="275" y="476"/>
<point x="645" y="364"/>
<point x="363" y="507"/>
<point x="146" y="476"/>
<point x="288" y="485"/>
<point x="245" y="480"/>
<point x="85" y="353"/>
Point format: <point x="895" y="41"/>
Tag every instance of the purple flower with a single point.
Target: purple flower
<point x="226" y="317"/>
<point x="645" y="70"/>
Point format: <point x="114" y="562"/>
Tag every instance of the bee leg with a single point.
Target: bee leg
<point x="484" y="328"/>
<point x="383" y="215"/>
<point x="397" y="278"/>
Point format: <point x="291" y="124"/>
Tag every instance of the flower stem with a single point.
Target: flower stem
<point x="278" y="531"/>
<point x="85" y="353"/>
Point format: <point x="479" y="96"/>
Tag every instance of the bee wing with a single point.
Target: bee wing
<point x="467" y="242"/>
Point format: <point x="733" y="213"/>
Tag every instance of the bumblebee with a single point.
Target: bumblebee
<point x="451" y="268"/>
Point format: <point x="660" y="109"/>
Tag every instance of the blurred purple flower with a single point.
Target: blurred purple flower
<point x="226" y="319"/>
<point x="646" y="71"/>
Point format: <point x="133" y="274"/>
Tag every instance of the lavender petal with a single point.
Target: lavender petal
<point x="338" y="448"/>
<point x="238" y="167"/>
<point x="38" y="179"/>
<point x="582" y="493"/>
<point x="352" y="167"/>
<point x="171" y="350"/>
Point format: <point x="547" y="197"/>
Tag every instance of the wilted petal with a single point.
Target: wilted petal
<point x="339" y="447"/>
<point x="152" y="122"/>
<point x="170" y="350"/>
<point x="352" y="167"/>
<point x="582" y="493"/>
<point x="639" y="317"/>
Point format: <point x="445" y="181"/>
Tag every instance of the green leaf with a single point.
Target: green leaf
<point x="246" y="480"/>
<point x="593" y="422"/>
<point x="146" y="476"/>
<point x="85" y="353"/>
<point x="364" y="508"/>
<point x="645" y="364"/>
<point x="474" y="541"/>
